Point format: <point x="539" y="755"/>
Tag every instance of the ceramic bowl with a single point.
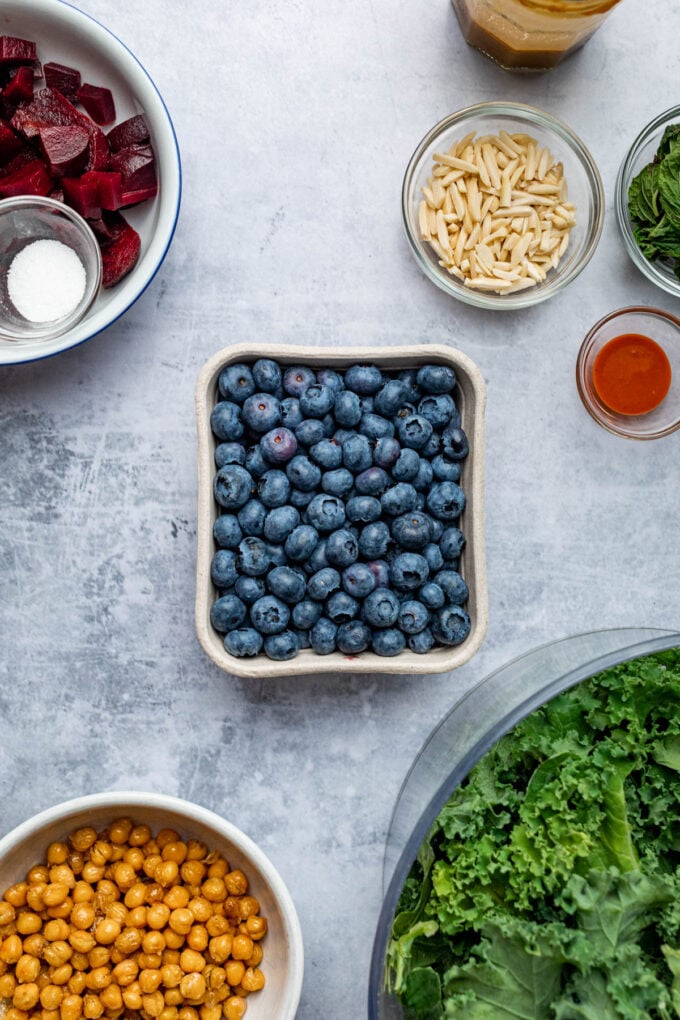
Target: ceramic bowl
<point x="470" y="397"/>
<point x="584" y="190"/>
<point x="283" y="950"/>
<point x="66" y="35"/>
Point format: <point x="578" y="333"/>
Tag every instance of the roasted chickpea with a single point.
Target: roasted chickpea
<point x="253" y="979"/>
<point x="153" y="942"/>
<point x="166" y="873"/>
<point x="129" y="940"/>
<point x="157" y="915"/>
<point x="137" y="918"/>
<point x="82" y="941"/>
<point x="56" y="931"/>
<point x="234" y="969"/>
<point x="92" y="1006"/>
<point x="82" y="839"/>
<point x="28" y="923"/>
<point x="120" y="830"/>
<point x="91" y="873"/>
<point x="256" y="927"/>
<point x="153" y="1004"/>
<point x="111" y="997"/>
<point x="241" y="947"/>
<point x="82" y="916"/>
<point x="218" y="868"/>
<point x="107" y="931"/>
<point x="57" y="953"/>
<point x="139" y="835"/>
<point x="188" y="1013"/>
<point x="125" y="972"/>
<point x="34" y="896"/>
<point x="165" y="836"/>
<point x="192" y="986"/>
<point x="11" y="949"/>
<point x="132" y="996"/>
<point x="82" y="892"/>
<point x="62" y="975"/>
<point x="218" y="925"/>
<point x="191" y="961"/>
<point x="134" y="856"/>
<point x="101" y="853"/>
<point x="168" y="1013"/>
<point x="171" y="975"/>
<point x="192" y="872"/>
<point x="7" y="985"/>
<point x="75" y="861"/>
<point x="181" y="920"/>
<point x="220" y="948"/>
<point x="7" y="913"/>
<point x="214" y="889"/>
<point x="71" y="1007"/>
<point x="154" y="893"/>
<point x="234" y="1008"/>
<point x="151" y="862"/>
<point x="117" y="911"/>
<point x="173" y="939"/>
<point x="177" y="897"/>
<point x="135" y="896"/>
<point x="98" y="978"/>
<point x="57" y="853"/>
<point x="98" y="957"/>
<point x="201" y="908"/>
<point x="173" y="997"/>
<point x="27" y="969"/>
<point x="38" y="875"/>
<point x="124" y="875"/>
<point x="196" y="850"/>
<point x="51" y="996"/>
<point x="149" y="961"/>
<point x="26" y="996"/>
<point x="210" y="1012"/>
<point x="16" y="894"/>
<point x="255" y="959"/>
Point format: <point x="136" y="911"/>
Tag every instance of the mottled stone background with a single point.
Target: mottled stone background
<point x="296" y="121"/>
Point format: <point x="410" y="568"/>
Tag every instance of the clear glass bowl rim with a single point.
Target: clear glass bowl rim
<point x="623" y="179"/>
<point x="605" y="648"/>
<point x="533" y="115"/>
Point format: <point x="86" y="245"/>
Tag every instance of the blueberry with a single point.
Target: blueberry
<point x="451" y="543"/>
<point x="455" y="444"/>
<point x="243" y="642"/>
<point x="446" y="500"/>
<point x="381" y="572"/>
<point x="309" y="432"/>
<point x="249" y="589"/>
<point x="423" y="479"/>
<point x="374" y="540"/>
<point x="232" y="486"/>
<point x="431" y="595"/>
<point x="341" y="607"/>
<point x="353" y="637"/>
<point x="269" y="615"/>
<point x="390" y="398"/>
<point x="409" y="377"/>
<point x="342" y="435"/>
<point x="433" y="553"/>
<point x="227" y="613"/>
<point x="223" y="571"/>
<point x="367" y="405"/>
<point x="342" y="548"/>
<point x="317" y="400"/>
<point x="302" y="636"/>
<point x="291" y="415"/>
<point x="374" y="426"/>
<point x="229" y="453"/>
<point x="251" y="518"/>
<point x="255" y="462"/>
<point x="328" y="424"/>
<point x="436" y="529"/>
<point x="227" y="531"/>
<point x="436" y="378"/>
<point x="386" y="452"/>
<point x="422" y="642"/>
<point x="414" y="431"/>
<point x="273" y="488"/>
<point x="363" y="509"/>
<point x="235" y="382"/>
<point x="287" y="584"/>
<point x="413" y="617"/>
<point x="225" y="421"/>
<point x="327" y="454"/>
<point x="432" y="447"/>
<point x="279" y="523"/>
<point x="266" y="375"/>
<point x="400" y="499"/>
<point x="409" y="571"/>
<point x="327" y="377"/>
<point x="437" y="409"/>
<point x="388" y="642"/>
<point x="445" y="470"/>
<point x="372" y="482"/>
<point x="279" y="445"/>
<point x="326" y="513"/>
<point x="453" y="586"/>
<point x="261" y="412"/>
<point x="338" y="482"/>
<point x="405" y="411"/>
<point x="296" y="379"/>
<point x="358" y="580"/>
<point x="306" y="613"/>
<point x="411" y="530"/>
<point x="253" y="557"/>
<point x="364" y="379"/>
<point x="300" y="500"/>
<point x="322" y="636"/>
<point x="406" y="466"/>
<point x="451" y="625"/>
<point x="301" y="543"/>
<point x="347" y="409"/>
<point x="318" y="560"/>
<point x="356" y="453"/>
<point x="323" y="583"/>
<point x="302" y="474"/>
<point x="282" y="646"/>
<point x="381" y="608"/>
<point x="277" y="555"/>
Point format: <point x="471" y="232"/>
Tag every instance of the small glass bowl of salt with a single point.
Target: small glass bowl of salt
<point x="50" y="268"/>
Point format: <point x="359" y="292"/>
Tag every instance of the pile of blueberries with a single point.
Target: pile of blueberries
<point x="339" y="497"/>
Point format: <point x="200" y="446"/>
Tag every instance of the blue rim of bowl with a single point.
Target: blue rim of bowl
<point x="646" y="267"/>
<point x="52" y="354"/>
<point x="526" y="298"/>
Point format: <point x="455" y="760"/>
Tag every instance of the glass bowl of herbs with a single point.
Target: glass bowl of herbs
<point x="648" y="201"/>
<point x="533" y="847"/>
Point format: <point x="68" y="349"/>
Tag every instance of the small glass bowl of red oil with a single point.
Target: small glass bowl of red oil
<point x="628" y="372"/>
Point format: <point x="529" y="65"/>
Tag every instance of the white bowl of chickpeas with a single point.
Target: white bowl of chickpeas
<point x="140" y="904"/>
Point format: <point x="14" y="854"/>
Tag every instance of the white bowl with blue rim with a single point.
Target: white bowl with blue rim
<point x="65" y="35"/>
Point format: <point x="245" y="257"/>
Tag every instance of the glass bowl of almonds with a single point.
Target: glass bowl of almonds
<point x="141" y="904"/>
<point x="503" y="205"/>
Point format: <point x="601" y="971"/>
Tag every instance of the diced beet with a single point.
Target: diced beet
<point x="99" y="147"/>
<point x="47" y="108"/>
<point x="15" y="51"/>
<point x="108" y="185"/>
<point x="32" y="179"/>
<point x="98" y="102"/>
<point x="65" y="79"/>
<point x="120" y="250"/>
<point x="66" y="148"/>
<point x="22" y="158"/>
<point x="20" y="85"/>
<point x="137" y="166"/>
<point x="134" y="131"/>
<point x="10" y="143"/>
<point x="57" y="193"/>
<point x="140" y="195"/>
<point x="81" y="195"/>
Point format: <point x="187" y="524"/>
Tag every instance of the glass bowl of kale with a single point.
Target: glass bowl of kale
<point x="532" y="866"/>
<point x="648" y="201"/>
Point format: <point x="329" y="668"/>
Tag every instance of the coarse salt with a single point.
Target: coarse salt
<point x="46" y="280"/>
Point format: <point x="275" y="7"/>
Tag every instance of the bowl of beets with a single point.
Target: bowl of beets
<point x="340" y="524"/>
<point x="81" y="121"/>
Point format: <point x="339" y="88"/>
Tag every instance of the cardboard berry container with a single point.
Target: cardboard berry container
<point x="470" y="396"/>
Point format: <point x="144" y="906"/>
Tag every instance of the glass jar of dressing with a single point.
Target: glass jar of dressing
<point x="530" y="35"/>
